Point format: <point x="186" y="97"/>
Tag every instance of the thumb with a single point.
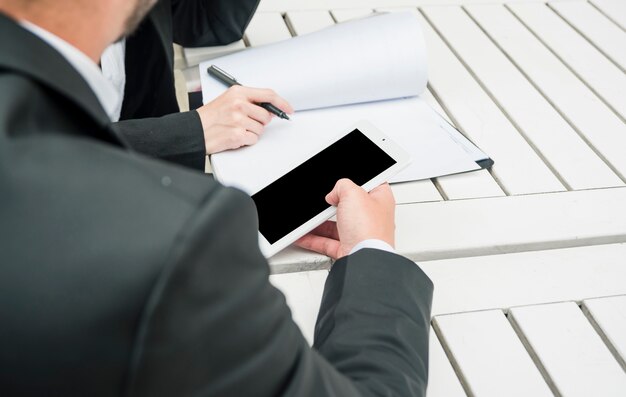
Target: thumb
<point x="342" y="187"/>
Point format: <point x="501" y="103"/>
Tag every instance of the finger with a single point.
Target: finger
<point x="250" y="138"/>
<point x="342" y="187"/>
<point x="319" y="244"/>
<point x="383" y="193"/>
<point x="238" y="137"/>
<point x="258" y="114"/>
<point x="327" y="229"/>
<point x="253" y="126"/>
<point x="259" y="95"/>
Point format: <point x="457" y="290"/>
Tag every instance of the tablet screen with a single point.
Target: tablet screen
<point x="299" y="195"/>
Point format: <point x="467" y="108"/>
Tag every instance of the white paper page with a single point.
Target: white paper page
<point x="370" y="59"/>
<point x="410" y="122"/>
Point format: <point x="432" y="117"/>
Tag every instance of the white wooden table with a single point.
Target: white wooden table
<point x="528" y="258"/>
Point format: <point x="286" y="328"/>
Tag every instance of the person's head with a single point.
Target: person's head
<point x="89" y="25"/>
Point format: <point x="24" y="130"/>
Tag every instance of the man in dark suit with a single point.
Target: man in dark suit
<point x="150" y="117"/>
<point x="124" y="275"/>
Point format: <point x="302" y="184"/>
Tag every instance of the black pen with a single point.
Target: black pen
<point x="230" y="81"/>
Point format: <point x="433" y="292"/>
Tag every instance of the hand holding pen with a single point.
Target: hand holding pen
<point x="235" y="119"/>
<point x="230" y="81"/>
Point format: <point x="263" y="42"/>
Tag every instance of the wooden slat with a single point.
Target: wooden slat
<point x="192" y="78"/>
<point x="452" y="229"/>
<point x="470" y="185"/>
<point x="294" y="259"/>
<point x="303" y="22"/>
<point x="303" y="292"/>
<point x="287" y="5"/>
<point x="489" y="355"/>
<point x="266" y="28"/>
<point x="415" y="192"/>
<point x="526" y="278"/>
<point x="613" y="9"/>
<point x="517" y="167"/>
<point x="556" y="142"/>
<point x="346" y="14"/>
<point x="569" y="351"/>
<point x="584" y="110"/>
<point x="179" y="57"/>
<point x="465" y="228"/>
<point x="193" y="56"/>
<point x="600" y="74"/>
<point x="442" y="381"/>
<point x="598" y="29"/>
<point x="181" y="90"/>
<point x="608" y="315"/>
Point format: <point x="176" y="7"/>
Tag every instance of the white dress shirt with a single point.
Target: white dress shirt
<point x="113" y="67"/>
<point x="102" y="88"/>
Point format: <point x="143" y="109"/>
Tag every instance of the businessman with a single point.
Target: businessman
<point x="125" y="275"/>
<point x="141" y="69"/>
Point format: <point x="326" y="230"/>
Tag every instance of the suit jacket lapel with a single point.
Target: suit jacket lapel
<point x="24" y="53"/>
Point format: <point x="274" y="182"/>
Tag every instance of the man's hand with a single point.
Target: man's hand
<point x="233" y="119"/>
<point x="360" y="216"/>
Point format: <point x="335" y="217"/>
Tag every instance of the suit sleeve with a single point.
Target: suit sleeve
<point x="215" y="326"/>
<point x="198" y="23"/>
<point x="176" y="137"/>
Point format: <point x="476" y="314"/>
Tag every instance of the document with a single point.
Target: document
<point x="372" y="69"/>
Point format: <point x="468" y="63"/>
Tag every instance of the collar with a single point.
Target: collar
<point x="90" y="72"/>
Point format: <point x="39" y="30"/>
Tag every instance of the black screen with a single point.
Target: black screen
<point x="299" y="195"/>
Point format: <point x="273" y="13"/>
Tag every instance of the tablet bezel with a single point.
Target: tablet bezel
<point x="399" y="155"/>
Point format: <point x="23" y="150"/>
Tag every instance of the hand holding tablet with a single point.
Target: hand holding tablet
<point x="294" y="204"/>
<point x="361" y="216"/>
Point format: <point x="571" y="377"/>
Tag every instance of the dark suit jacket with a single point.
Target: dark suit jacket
<point x="153" y="124"/>
<point x="124" y="275"/>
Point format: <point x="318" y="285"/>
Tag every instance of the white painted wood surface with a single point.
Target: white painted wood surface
<point x="517" y="167"/>
<point x="527" y="278"/>
<point x="415" y="192"/>
<point x="442" y="381"/>
<point x="286" y="5"/>
<point x="545" y="130"/>
<point x="605" y="35"/>
<point x="589" y="64"/>
<point x="473" y="184"/>
<point x="570" y="352"/>
<point x="461" y="228"/>
<point x="599" y="125"/>
<point x="346" y="14"/>
<point x="489" y="355"/>
<point x="266" y="28"/>
<point x="608" y="315"/>
<point x="303" y="292"/>
<point x="466" y="228"/>
<point x="193" y="56"/>
<point x="303" y="22"/>
<point x="613" y="9"/>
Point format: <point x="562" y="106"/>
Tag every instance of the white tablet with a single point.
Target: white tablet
<point x="294" y="204"/>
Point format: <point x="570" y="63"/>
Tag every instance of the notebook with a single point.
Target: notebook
<point x="372" y="69"/>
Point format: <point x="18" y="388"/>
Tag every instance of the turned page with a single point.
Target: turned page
<point x="371" y="59"/>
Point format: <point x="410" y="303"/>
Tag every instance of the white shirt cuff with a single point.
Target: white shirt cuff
<point x="373" y="243"/>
